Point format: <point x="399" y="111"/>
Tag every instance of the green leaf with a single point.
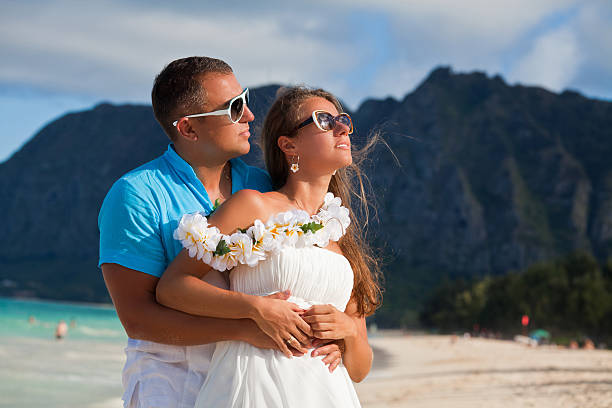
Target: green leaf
<point x="215" y="205"/>
<point x="311" y="226"/>
<point x="222" y="248"/>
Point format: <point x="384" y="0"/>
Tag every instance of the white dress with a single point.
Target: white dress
<point x="241" y="375"/>
<point x="287" y="253"/>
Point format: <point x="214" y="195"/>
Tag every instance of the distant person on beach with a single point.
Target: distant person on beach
<point x="61" y="330"/>
<point x="204" y="111"/>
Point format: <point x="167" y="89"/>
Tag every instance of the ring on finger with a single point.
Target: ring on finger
<point x="292" y="341"/>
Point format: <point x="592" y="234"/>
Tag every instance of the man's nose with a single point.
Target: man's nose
<point x="247" y="115"/>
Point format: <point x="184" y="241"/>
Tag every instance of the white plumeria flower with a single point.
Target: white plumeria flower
<point x="241" y="246"/>
<point x="292" y="234"/>
<point x="257" y="231"/>
<point x="191" y="232"/>
<point x="329" y="199"/>
<point x="321" y="238"/>
<point x="226" y="261"/>
<point x="263" y="239"/>
<point x="211" y="239"/>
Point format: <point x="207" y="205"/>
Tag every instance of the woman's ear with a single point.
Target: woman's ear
<point x="287" y="145"/>
<point x="185" y="130"/>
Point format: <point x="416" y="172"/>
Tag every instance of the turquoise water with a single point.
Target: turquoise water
<point x="81" y="370"/>
<point x="86" y="322"/>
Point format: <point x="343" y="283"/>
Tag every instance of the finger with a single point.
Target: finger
<point x="318" y="318"/>
<point x="296" y="353"/>
<point x="303" y="326"/>
<point x="296" y="308"/>
<point x="331" y="357"/>
<point x="302" y="340"/>
<point x="279" y="295"/>
<point x="318" y="309"/>
<point x="334" y="364"/>
<point x="283" y="347"/>
<point x="322" y="326"/>
<point x="324" y="350"/>
<point x="325" y="334"/>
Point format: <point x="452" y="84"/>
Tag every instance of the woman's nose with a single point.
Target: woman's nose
<point x="340" y="129"/>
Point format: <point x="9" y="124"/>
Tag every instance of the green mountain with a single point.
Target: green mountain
<point x="491" y="178"/>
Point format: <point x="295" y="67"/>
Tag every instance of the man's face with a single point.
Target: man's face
<point x="217" y="135"/>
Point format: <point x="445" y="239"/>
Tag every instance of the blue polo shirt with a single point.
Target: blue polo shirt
<point x="143" y="208"/>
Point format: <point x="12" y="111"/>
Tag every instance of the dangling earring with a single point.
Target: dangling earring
<point x="295" y="166"/>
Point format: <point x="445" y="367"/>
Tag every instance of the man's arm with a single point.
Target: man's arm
<point x="133" y="294"/>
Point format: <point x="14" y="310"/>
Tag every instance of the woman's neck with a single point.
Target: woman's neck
<point x="307" y="195"/>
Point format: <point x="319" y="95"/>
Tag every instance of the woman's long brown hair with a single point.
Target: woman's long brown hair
<point x="348" y="183"/>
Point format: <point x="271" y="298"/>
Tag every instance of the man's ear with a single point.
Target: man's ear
<point x="287" y="145"/>
<point x="185" y="130"/>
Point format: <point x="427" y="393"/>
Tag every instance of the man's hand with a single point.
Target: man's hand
<point x="327" y="322"/>
<point x="331" y="349"/>
<point x="281" y="321"/>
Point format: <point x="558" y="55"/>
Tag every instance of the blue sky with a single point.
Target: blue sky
<point x="64" y="55"/>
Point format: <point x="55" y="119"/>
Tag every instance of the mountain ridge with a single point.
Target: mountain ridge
<point x="493" y="178"/>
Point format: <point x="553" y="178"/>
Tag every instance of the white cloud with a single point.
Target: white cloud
<point x="477" y="23"/>
<point x="595" y="31"/>
<point x="114" y="51"/>
<point x="552" y="62"/>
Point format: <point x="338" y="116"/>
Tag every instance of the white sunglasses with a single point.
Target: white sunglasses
<point x="234" y="111"/>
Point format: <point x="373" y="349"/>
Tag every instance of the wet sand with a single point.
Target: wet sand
<point x="432" y="371"/>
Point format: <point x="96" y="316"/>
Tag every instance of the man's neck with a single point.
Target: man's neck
<point x="215" y="175"/>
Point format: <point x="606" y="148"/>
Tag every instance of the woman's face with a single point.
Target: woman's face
<point x="322" y="152"/>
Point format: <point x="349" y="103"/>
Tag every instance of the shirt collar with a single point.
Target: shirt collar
<point x="178" y="162"/>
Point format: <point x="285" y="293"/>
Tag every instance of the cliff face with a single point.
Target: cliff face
<point x="492" y="178"/>
<point x="500" y="176"/>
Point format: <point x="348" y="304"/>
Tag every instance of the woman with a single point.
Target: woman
<point x="309" y="246"/>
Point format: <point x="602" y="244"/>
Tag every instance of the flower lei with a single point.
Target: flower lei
<point x="294" y="228"/>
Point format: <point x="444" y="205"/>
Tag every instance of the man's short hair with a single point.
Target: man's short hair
<point x="177" y="90"/>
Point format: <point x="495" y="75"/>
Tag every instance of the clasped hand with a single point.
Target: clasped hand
<point x="294" y="329"/>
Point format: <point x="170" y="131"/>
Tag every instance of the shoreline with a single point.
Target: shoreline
<point x="100" y="305"/>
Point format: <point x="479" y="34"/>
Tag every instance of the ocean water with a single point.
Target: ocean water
<point x="81" y="370"/>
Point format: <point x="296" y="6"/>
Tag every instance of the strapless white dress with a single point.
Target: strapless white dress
<point x="241" y="375"/>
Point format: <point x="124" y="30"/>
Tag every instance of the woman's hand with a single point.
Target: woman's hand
<point x="327" y="322"/>
<point x="281" y="321"/>
<point x="331" y="349"/>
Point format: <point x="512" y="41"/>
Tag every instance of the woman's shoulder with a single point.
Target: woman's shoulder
<point x="246" y="206"/>
<point x="253" y="201"/>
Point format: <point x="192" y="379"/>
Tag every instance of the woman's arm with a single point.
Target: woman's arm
<point x="181" y="287"/>
<point x="327" y="322"/>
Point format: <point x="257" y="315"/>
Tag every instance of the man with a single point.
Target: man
<point x="202" y="108"/>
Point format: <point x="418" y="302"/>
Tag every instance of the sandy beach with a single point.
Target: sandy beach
<point x="410" y="371"/>
<point x="431" y="371"/>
